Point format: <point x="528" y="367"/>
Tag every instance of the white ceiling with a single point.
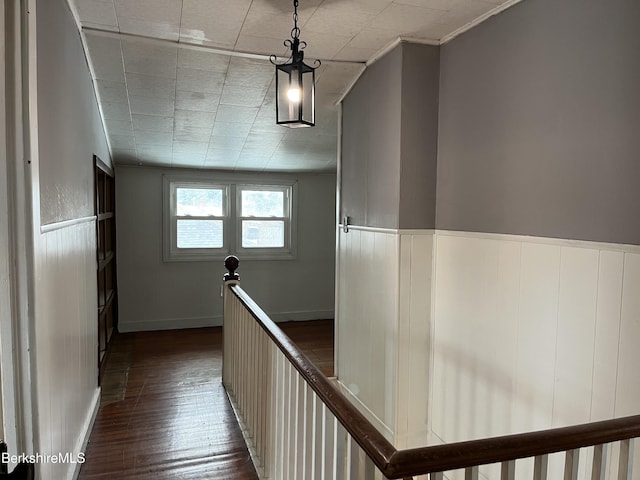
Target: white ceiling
<point x="176" y="88"/>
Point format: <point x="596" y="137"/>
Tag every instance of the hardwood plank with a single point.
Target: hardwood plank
<point x="164" y="413"/>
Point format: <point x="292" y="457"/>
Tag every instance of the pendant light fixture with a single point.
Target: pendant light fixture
<point x="295" y="83"/>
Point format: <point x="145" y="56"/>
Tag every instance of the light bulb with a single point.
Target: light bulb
<point x="294" y="94"/>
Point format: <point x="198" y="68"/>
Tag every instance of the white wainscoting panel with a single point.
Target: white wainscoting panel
<point x="608" y="315"/>
<point x="530" y="335"/>
<point x="383" y="311"/>
<point x="66" y="343"/>
<point x="413" y="352"/>
<point x="367" y="312"/>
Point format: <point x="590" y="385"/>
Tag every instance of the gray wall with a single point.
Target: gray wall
<point x="540" y="122"/>
<point x="154" y="295"/>
<point x="69" y="127"/>
<point x="389" y="142"/>
<point x="371" y="145"/>
<point x="419" y="136"/>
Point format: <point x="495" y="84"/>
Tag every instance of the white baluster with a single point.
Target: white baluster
<point x="625" y="463"/>
<point x="540" y="465"/>
<point x="301" y="426"/>
<point x="319" y="441"/>
<point x="571" y="464"/>
<point x="309" y="433"/>
<point x="330" y="444"/>
<point x="599" y="464"/>
<point x="508" y="470"/>
<point x="471" y="473"/>
<point x="341" y="451"/>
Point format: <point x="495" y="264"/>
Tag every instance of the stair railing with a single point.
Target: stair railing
<point x="298" y="425"/>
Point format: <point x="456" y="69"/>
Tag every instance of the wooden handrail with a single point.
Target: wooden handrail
<point x="395" y="463"/>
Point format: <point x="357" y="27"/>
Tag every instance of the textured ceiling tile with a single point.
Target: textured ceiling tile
<point x="106" y="57"/>
<point x="273" y="26"/>
<point x="242" y="96"/>
<point x="151" y="106"/>
<point x="231" y="129"/>
<point x="147" y="150"/>
<point x="146" y="137"/>
<point x="202" y="60"/>
<point x="192" y="134"/>
<point x="152" y="122"/>
<point x="226" y="143"/>
<point x="220" y="36"/>
<point x="285" y="8"/>
<point x="337" y="77"/>
<point x="371" y="6"/>
<point x="149" y="29"/>
<point x="150" y="86"/>
<point x="194" y="80"/>
<point x="116" y="111"/>
<point x="215" y="22"/>
<point x="433" y="4"/>
<point x="347" y="19"/>
<point x="192" y="118"/>
<point x="250" y="73"/>
<point x="232" y="113"/>
<point x="99" y="12"/>
<point x="119" y="127"/>
<point x="196" y="148"/>
<point x="198" y="101"/>
<point x="374" y="38"/>
<point x="350" y="54"/>
<point x="112" y="92"/>
<point x="323" y="46"/>
<point x="149" y="59"/>
<point x="402" y="19"/>
<point x="122" y="142"/>
<point x="267" y="125"/>
<point x="161" y="11"/>
<point x="262" y="45"/>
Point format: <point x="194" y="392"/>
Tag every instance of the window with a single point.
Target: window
<point x="209" y="220"/>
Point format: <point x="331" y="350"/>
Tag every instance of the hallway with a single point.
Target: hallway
<point x="164" y="413"/>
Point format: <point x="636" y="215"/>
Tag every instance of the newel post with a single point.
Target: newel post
<point x="231" y="263"/>
<point x="228" y="313"/>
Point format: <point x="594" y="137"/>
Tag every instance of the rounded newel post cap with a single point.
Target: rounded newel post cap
<point x="231" y="263"/>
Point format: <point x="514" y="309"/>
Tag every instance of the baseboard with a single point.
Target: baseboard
<point x="216" y="321"/>
<point x="170" y="324"/>
<point x="81" y="445"/>
<point x="302" y="316"/>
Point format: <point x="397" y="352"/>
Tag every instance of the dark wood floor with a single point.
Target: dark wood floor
<point x="164" y="413"/>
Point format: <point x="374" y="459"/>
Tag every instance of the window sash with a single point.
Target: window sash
<point x="285" y="219"/>
<point x="197" y="252"/>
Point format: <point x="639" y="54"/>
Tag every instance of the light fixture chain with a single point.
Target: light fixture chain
<point x="295" y="32"/>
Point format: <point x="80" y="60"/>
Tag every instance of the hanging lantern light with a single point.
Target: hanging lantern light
<point x="295" y="83"/>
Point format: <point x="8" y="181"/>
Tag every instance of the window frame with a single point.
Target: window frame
<point x="171" y="250"/>
<point x="232" y="187"/>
